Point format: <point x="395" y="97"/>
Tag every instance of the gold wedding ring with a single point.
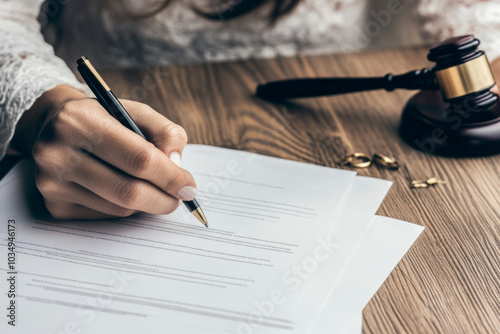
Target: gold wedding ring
<point x="357" y="160"/>
<point x="385" y="161"/>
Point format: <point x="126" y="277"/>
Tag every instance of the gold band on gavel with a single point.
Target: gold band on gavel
<point x="472" y="76"/>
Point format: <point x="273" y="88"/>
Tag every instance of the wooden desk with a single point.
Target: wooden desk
<point x="449" y="282"/>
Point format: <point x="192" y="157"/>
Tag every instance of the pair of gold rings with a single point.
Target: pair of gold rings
<point x="362" y="160"/>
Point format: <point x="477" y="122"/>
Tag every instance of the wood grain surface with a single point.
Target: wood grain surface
<point x="449" y="281"/>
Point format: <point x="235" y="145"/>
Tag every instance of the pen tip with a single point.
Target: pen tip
<point x="198" y="213"/>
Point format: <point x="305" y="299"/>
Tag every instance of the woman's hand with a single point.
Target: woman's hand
<point x="89" y="166"/>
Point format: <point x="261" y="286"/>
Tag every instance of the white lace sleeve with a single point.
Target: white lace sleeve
<point x="441" y="19"/>
<point x="28" y="66"/>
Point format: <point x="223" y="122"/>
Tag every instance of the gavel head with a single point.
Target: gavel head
<point x="462" y="120"/>
<point x="463" y="73"/>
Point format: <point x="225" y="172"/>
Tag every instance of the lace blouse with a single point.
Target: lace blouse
<point x="29" y="66"/>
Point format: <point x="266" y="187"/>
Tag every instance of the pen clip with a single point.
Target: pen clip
<point x="93" y="88"/>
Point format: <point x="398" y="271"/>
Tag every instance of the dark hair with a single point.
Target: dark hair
<point x="222" y="10"/>
<point x="214" y="9"/>
<point x="242" y="7"/>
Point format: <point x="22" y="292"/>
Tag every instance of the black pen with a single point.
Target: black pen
<point x="112" y="105"/>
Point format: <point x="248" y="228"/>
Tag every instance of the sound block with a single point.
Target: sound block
<point x="430" y="125"/>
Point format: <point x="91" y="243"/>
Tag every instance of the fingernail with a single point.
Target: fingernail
<point x="188" y="193"/>
<point x="176" y="158"/>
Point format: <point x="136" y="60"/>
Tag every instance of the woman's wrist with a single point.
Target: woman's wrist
<point x="45" y="107"/>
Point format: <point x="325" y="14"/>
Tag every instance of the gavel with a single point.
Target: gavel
<point x="456" y="114"/>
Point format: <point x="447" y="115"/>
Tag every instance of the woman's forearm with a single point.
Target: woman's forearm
<point x="28" y="65"/>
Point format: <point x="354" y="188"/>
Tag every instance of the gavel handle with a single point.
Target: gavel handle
<point x="312" y="87"/>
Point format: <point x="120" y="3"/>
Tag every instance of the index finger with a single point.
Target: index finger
<point x="159" y="130"/>
<point x="129" y="152"/>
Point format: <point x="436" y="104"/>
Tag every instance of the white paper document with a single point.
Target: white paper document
<point x="355" y="325"/>
<point x="173" y="271"/>
<point x="380" y="250"/>
<point x="170" y="274"/>
<point x="317" y="274"/>
<point x="364" y="198"/>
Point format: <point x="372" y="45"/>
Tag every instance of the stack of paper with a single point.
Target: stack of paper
<point x="289" y="250"/>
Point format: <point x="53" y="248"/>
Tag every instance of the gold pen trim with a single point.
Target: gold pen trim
<point x="198" y="213"/>
<point x="96" y="75"/>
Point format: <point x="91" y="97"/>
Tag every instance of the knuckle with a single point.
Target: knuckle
<point x="171" y="208"/>
<point x="43" y="183"/>
<point x="65" y="116"/>
<point x="141" y="160"/>
<point x="47" y="186"/>
<point x="70" y="120"/>
<point x="45" y="154"/>
<point x="120" y="211"/>
<point x="51" y="164"/>
<point x="40" y="151"/>
<point x="131" y="194"/>
<point x="59" y="212"/>
<point x="70" y="107"/>
<point x="175" y="181"/>
<point x="175" y="132"/>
